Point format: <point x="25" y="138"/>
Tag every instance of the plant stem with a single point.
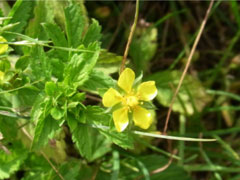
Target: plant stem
<point x="200" y="167"/>
<point x="188" y="64"/>
<point x="130" y="37"/>
<point x="181" y="144"/>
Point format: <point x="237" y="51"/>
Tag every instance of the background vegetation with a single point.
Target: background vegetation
<point x="60" y="61"/>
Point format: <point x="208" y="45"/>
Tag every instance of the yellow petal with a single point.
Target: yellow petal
<point x="126" y="79"/>
<point x="3" y="47"/>
<point x="142" y="117"/>
<point x="120" y="118"/>
<point x="111" y="97"/>
<point x="147" y="91"/>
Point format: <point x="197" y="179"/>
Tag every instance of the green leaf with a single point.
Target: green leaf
<point x="108" y="62"/>
<point x="79" y="97"/>
<point x="38" y="168"/>
<point x="8" y="127"/>
<point x="57" y="65"/>
<point x="24" y="97"/>
<point x="35" y="176"/>
<point x="4" y="65"/>
<point x="20" y="12"/>
<point x="46" y="125"/>
<point x="72" y="122"/>
<point x="75" y="23"/>
<point x="191" y="97"/>
<point x="97" y="116"/>
<point x="57" y="36"/>
<point x="106" y="57"/>
<point x="93" y="33"/>
<point x="22" y="63"/>
<point x="80" y="66"/>
<point x="10" y="163"/>
<point x="123" y="139"/>
<point x="43" y="13"/>
<point x="51" y="88"/>
<point x="37" y="108"/>
<point x="82" y="136"/>
<point x="90" y="143"/>
<point x="86" y="172"/>
<point x="70" y="169"/>
<point x="55" y="10"/>
<point x="45" y="129"/>
<point x="57" y="113"/>
<point x="98" y="80"/>
<point x="143" y="47"/>
<point x="40" y="64"/>
<point x="101" y="145"/>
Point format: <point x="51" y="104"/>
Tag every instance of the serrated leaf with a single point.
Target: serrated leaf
<point x="46" y="125"/>
<point x="80" y="66"/>
<point x="37" y="109"/>
<point x="20" y="12"/>
<point x="39" y="168"/>
<point x="75" y="23"/>
<point x="11" y="163"/>
<point x="72" y="122"/>
<point x="93" y="33"/>
<point x="97" y="116"/>
<point x="44" y="130"/>
<point x="98" y="80"/>
<point x="90" y="143"/>
<point x="100" y="147"/>
<point x="42" y="13"/>
<point x="58" y="7"/>
<point x="124" y="140"/>
<point x="57" y="36"/>
<point x="57" y="65"/>
<point x="40" y="64"/>
<point x="70" y="169"/>
<point x="82" y="136"/>
<point x="24" y="97"/>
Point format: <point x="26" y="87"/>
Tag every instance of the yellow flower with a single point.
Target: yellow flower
<point x="130" y="101"/>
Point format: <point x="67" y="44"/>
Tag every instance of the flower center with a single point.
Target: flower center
<point x="131" y="101"/>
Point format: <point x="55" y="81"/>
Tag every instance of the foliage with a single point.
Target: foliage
<point x="57" y="63"/>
